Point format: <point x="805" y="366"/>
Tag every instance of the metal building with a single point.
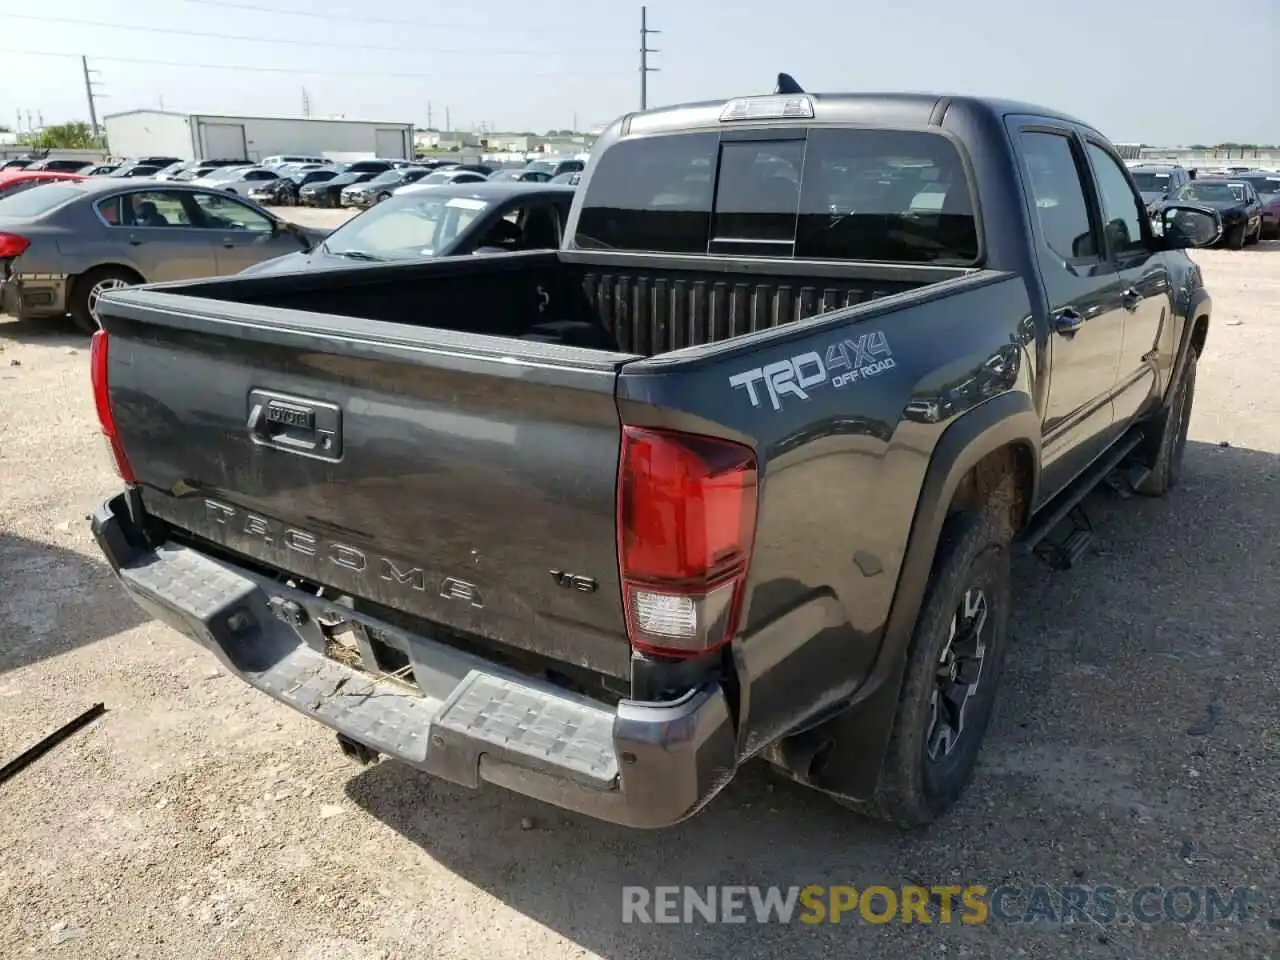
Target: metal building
<point x="202" y="136"/>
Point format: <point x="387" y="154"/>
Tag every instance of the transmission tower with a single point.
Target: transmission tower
<point x="91" y="93"/>
<point x="645" y="69"/>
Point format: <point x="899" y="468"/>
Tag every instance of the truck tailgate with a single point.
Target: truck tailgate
<point x="444" y="475"/>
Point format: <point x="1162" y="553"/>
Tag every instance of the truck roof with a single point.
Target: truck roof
<point x="913" y="109"/>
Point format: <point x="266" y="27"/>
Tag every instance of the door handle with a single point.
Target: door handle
<point x="1067" y="322"/>
<point x="135" y="242"/>
<point x="228" y="244"/>
<point x="1131" y="299"/>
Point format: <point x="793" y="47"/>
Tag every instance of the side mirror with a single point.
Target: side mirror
<point x="1182" y="226"/>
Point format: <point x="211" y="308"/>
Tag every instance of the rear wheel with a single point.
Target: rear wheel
<point x="953" y="668"/>
<point x="1235" y="237"/>
<point x="383" y="196"/>
<point x="89" y="287"/>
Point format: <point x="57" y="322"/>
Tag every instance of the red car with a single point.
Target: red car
<point x="12" y="181"/>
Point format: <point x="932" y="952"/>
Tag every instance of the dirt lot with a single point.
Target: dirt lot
<point x="1137" y="742"/>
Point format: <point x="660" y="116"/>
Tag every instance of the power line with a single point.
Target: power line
<point x="319" y="71"/>
<point x="331" y="17"/>
<point x="288" y="41"/>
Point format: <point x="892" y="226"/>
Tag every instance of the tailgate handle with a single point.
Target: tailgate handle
<point x="295" y="424"/>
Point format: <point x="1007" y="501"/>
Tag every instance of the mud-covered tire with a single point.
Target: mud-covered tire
<point x="88" y="286"/>
<point x="913" y="788"/>
<point x="1166" y="463"/>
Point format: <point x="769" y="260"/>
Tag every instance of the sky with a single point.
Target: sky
<point x="1156" y="71"/>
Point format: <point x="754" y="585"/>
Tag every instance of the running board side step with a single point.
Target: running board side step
<point x="1066" y="506"/>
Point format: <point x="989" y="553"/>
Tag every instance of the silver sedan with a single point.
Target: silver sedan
<point x="62" y="245"/>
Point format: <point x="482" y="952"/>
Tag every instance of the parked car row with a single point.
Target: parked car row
<point x="1248" y="200"/>
<point x="66" y="238"/>
<point x="364" y="183"/>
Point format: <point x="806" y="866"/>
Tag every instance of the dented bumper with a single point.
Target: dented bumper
<point x="463" y="719"/>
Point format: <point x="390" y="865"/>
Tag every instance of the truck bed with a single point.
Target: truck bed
<point x="633" y="305"/>
<point x="365" y="432"/>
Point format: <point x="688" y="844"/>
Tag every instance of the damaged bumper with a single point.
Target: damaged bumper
<point x="33" y="295"/>
<point x="463" y="718"/>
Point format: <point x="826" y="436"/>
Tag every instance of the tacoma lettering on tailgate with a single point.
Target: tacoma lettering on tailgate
<point x="342" y="555"/>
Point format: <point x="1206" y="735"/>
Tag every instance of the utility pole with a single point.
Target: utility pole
<point x="430" y="123"/>
<point x="306" y="103"/>
<point x="90" y="93"/>
<point x="645" y="69"/>
<point x="448" y="121"/>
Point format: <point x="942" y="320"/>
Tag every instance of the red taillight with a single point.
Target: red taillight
<point x="686" y="523"/>
<point x="12" y="245"/>
<point x="102" y="400"/>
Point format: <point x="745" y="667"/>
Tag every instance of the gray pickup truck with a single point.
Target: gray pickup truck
<point x="736" y="473"/>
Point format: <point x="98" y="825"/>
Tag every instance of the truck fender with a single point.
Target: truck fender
<point x="860" y="735"/>
<point x="1197" y="318"/>
<point x="1201" y="305"/>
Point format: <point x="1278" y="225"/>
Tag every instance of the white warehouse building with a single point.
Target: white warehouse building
<point x="200" y="136"/>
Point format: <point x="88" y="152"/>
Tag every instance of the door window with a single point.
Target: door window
<point x="1123" y="212"/>
<point x="221" y="212"/>
<point x="1057" y="189"/>
<point x="153" y="208"/>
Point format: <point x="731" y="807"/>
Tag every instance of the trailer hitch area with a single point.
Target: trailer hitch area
<point x="288" y="611"/>
<point x="357" y="751"/>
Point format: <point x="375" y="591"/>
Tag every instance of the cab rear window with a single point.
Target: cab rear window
<point x="827" y="193"/>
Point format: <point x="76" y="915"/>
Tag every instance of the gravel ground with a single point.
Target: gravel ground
<point x="1137" y="742"/>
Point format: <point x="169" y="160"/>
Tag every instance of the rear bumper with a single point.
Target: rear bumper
<point x="33" y="296"/>
<point x="467" y="720"/>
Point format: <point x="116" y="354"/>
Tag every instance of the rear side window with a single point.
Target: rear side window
<point x="830" y="194"/>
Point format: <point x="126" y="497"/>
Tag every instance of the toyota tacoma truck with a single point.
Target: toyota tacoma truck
<point x="736" y="472"/>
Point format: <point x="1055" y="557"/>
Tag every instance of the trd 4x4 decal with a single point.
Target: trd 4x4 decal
<point x="846" y="361"/>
